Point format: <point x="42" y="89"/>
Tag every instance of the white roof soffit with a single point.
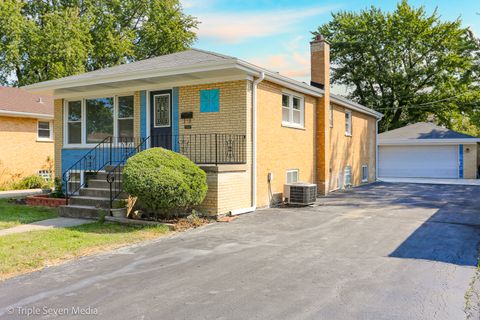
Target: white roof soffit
<point x="423" y="142"/>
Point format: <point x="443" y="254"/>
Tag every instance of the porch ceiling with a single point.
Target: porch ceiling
<point x="149" y="83"/>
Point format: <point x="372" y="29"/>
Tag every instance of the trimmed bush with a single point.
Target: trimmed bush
<point x="164" y="181"/>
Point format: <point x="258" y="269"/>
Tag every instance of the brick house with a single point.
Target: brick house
<point x="249" y="128"/>
<point x="26" y="134"/>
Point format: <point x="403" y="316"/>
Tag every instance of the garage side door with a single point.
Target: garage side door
<point x="418" y="161"/>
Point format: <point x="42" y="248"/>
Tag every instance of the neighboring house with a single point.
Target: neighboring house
<point x="252" y="130"/>
<point x="424" y="150"/>
<point x="26" y="134"/>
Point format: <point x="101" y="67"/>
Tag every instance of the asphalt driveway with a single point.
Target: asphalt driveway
<point x="384" y="251"/>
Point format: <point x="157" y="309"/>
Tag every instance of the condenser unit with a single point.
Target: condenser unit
<point x="300" y="193"/>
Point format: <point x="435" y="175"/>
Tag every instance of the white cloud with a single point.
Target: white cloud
<point x="294" y="64"/>
<point x="234" y="27"/>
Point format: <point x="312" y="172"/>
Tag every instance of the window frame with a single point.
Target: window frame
<point x="83" y="123"/>
<point x="291" y="171"/>
<point x="116" y="117"/>
<point x="50" y="131"/>
<point x="290" y="123"/>
<point x="348" y="132"/>
<point x="169" y="111"/>
<point x="364" y="173"/>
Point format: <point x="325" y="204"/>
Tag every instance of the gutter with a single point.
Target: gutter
<point x="19" y="114"/>
<point x="254" y="149"/>
<point x="376" y="149"/>
<point x="413" y="142"/>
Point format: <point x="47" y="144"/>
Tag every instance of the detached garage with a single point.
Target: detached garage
<point x="424" y="150"/>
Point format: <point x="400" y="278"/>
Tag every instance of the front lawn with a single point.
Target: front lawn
<point x="15" y="214"/>
<point x="25" y="252"/>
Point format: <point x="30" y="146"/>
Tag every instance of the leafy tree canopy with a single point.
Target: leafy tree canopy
<point x="407" y="64"/>
<point x="43" y="40"/>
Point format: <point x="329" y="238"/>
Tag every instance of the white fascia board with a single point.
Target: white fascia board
<point x="423" y="142"/>
<point x="156" y="87"/>
<point x="18" y="114"/>
<point x="126" y="76"/>
<point x="281" y="80"/>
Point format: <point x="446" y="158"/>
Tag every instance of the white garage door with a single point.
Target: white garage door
<point x="418" y="161"/>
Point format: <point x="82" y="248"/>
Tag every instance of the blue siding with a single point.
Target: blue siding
<point x="175" y="120"/>
<point x="143" y="114"/>
<point x="460" y="161"/>
<point x="70" y="156"/>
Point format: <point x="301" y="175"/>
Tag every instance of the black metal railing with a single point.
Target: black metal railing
<point x="115" y="173"/>
<point x="205" y="148"/>
<point x="110" y="151"/>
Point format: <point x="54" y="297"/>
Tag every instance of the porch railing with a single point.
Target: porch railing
<point x="205" y="148"/>
<point x="110" y="151"/>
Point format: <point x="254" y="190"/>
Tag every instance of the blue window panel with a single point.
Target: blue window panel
<point x="210" y="100"/>
<point x="215" y="100"/>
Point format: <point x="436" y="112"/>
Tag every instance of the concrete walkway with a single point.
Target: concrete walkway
<point x="19" y="193"/>
<point x="463" y="182"/>
<point x="45" y="225"/>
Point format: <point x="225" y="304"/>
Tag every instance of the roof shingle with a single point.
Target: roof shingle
<point x="19" y="100"/>
<point x="422" y="130"/>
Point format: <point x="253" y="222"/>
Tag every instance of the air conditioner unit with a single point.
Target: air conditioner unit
<point x="300" y="193"/>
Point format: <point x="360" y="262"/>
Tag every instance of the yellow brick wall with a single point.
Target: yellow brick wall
<point x="320" y="154"/>
<point x="357" y="150"/>
<point x="470" y="161"/>
<point x="232" y="117"/>
<point x="228" y="190"/>
<point x="21" y="153"/>
<point x="136" y="114"/>
<point x="282" y="148"/>
<point x="58" y="134"/>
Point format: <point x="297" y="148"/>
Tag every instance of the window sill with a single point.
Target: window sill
<point x="348" y="135"/>
<point x="292" y="126"/>
<point x="364" y="181"/>
<point x="44" y="140"/>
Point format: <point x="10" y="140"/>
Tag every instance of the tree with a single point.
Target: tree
<point x="407" y="64"/>
<point x="43" y="40"/>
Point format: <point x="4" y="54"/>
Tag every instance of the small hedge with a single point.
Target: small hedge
<point x="164" y="181"/>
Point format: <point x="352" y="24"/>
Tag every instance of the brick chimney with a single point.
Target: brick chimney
<point x="320" y="62"/>
<point x="320" y="78"/>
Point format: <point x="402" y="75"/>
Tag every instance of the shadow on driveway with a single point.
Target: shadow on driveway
<point x="450" y="235"/>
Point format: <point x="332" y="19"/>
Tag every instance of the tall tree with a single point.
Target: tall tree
<point x="407" y="64"/>
<point x="43" y="40"/>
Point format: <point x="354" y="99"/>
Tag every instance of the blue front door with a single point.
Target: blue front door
<point x="161" y="119"/>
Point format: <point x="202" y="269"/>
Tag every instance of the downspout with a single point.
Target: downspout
<point x="254" y="149"/>
<point x="376" y="149"/>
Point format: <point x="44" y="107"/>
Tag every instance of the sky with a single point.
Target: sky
<point x="275" y="34"/>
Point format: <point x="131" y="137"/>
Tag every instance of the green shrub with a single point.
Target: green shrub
<point x="30" y="182"/>
<point x="58" y="191"/>
<point x="164" y="181"/>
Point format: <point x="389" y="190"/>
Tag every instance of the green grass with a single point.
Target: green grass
<point x="24" y="252"/>
<point x="15" y="214"/>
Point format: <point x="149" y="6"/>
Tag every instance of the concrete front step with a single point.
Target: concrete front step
<point x="99" y="192"/>
<point x="91" y="201"/>
<point x="102" y="184"/>
<point x="78" y="211"/>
